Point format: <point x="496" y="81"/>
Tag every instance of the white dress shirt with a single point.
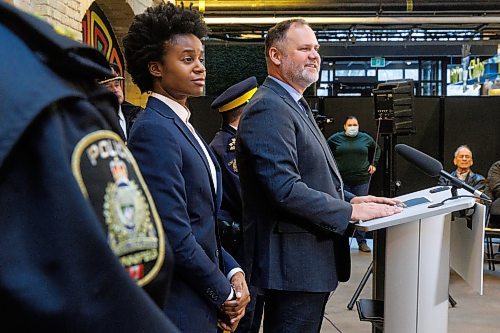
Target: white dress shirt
<point x="123" y="124"/>
<point x="184" y="114"/>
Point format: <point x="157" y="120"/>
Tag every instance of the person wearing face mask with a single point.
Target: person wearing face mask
<point x="357" y="155"/>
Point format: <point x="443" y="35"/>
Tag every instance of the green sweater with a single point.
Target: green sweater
<point x="354" y="155"/>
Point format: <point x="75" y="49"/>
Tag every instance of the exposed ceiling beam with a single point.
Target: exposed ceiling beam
<point x="379" y="20"/>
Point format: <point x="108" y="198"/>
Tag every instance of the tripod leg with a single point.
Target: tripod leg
<point x="452" y="301"/>
<point x="489" y="251"/>
<point x="360" y="286"/>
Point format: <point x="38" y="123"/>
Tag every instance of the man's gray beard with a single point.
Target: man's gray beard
<point x="306" y="79"/>
<point x="297" y="75"/>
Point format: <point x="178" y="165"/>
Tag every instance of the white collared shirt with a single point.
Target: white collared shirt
<point x="123" y="124"/>
<point x="462" y="176"/>
<point x="184" y="114"/>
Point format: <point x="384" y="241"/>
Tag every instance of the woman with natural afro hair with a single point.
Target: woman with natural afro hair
<point x="165" y="56"/>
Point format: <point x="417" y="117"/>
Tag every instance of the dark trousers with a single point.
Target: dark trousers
<point x="250" y="323"/>
<point x="258" y="312"/>
<point x="360" y="190"/>
<point x="293" y="311"/>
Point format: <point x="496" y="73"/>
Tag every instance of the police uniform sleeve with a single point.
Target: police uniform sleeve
<point x="58" y="271"/>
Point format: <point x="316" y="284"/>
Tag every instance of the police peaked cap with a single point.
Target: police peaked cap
<point x="116" y="74"/>
<point x="236" y="95"/>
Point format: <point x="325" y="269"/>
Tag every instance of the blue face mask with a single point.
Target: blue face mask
<point x="352" y="131"/>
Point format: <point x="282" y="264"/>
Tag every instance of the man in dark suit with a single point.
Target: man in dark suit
<point x="294" y="205"/>
<point x="230" y="105"/>
<point x="208" y="287"/>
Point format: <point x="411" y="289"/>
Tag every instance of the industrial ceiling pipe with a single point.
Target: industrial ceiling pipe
<point x="361" y="6"/>
<point x="335" y="20"/>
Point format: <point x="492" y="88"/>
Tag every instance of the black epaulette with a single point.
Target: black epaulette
<point x="67" y="57"/>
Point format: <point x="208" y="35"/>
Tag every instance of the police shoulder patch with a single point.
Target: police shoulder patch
<point x="110" y="179"/>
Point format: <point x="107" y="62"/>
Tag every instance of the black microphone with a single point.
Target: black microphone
<point x="434" y="168"/>
<point x="424" y="162"/>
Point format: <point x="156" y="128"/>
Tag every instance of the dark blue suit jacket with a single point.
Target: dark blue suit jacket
<point x="223" y="145"/>
<point x="178" y="176"/>
<point x="293" y="198"/>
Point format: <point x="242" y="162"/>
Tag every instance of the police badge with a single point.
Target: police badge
<point x="110" y="179"/>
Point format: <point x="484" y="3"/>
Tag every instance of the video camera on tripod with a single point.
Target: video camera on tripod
<point x="320" y="119"/>
<point x="317" y="109"/>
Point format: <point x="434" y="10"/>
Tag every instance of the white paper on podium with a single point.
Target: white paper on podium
<point x="420" y="211"/>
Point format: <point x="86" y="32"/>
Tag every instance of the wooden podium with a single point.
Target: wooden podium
<point x="417" y="259"/>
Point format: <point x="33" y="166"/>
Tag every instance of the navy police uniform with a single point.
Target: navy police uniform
<point x="79" y="231"/>
<point x="230" y="214"/>
<point x="115" y="75"/>
<point x="129" y="110"/>
<point x="224" y="147"/>
<point x="229" y="217"/>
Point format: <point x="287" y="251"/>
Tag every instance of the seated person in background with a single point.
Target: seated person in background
<point x="494" y="180"/>
<point x="463" y="161"/>
<point x="494" y="192"/>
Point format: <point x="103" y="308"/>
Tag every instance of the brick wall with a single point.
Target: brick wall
<point x="66" y="15"/>
<point x="63" y="14"/>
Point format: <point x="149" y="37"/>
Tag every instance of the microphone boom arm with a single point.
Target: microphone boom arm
<point x="457" y="183"/>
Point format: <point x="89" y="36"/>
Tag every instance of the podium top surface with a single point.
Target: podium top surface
<point x="420" y="211"/>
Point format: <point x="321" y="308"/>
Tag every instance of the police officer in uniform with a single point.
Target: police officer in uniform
<point x="230" y="105"/>
<point x="79" y="232"/>
<point x="127" y="112"/>
<point x="113" y="83"/>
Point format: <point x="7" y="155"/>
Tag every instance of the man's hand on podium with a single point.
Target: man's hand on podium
<point x="371" y="207"/>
